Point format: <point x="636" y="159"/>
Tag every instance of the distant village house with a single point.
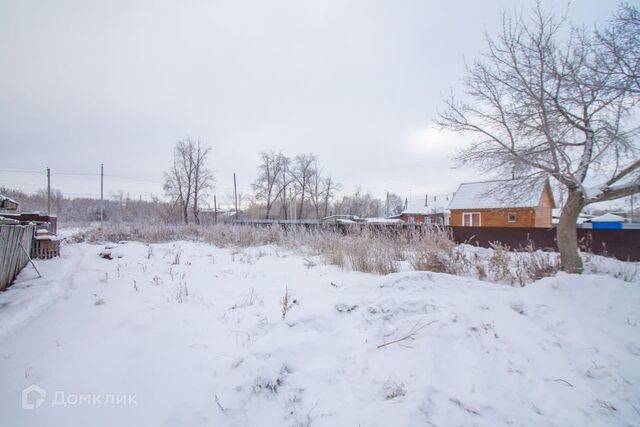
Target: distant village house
<point x="427" y="210"/>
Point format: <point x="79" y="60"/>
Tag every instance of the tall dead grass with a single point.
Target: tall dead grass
<point x="371" y="250"/>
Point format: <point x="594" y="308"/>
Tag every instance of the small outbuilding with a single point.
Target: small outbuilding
<point x="607" y="221"/>
<point x="8" y="204"/>
<point x="45" y="245"/>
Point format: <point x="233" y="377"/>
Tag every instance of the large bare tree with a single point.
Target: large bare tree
<point x="316" y="190"/>
<point x="618" y="48"/>
<point x="267" y="187"/>
<point x="202" y="176"/>
<point x="189" y="178"/>
<point x="540" y="104"/>
<point x="304" y="166"/>
<point x="329" y="190"/>
<point x="285" y="184"/>
<point x="178" y="182"/>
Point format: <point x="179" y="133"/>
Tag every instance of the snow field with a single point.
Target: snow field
<point x="196" y="333"/>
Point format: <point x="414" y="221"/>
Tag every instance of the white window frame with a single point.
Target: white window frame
<point x="411" y="219"/>
<point x="515" y="217"/>
<point x="464" y="214"/>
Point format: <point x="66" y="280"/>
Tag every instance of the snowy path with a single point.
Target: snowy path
<point x="564" y="351"/>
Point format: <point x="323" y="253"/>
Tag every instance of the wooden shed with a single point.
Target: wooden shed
<point x="502" y="204"/>
<point x="45" y="245"/>
<point x="8" y="204"/>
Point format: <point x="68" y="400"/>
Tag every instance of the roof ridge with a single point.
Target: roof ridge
<point x="491" y="180"/>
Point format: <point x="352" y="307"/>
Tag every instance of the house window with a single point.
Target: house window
<point x="512" y="217"/>
<point x="471" y="219"/>
<point x="411" y="219"/>
<point x="427" y="220"/>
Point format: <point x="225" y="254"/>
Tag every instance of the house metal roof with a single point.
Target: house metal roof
<point x="608" y="217"/>
<point x="3" y="198"/>
<point x="427" y="205"/>
<point x="495" y="195"/>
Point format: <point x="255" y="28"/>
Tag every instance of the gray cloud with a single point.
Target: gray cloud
<point x="356" y="82"/>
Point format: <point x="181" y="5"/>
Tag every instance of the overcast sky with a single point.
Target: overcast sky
<point x="355" y="82"/>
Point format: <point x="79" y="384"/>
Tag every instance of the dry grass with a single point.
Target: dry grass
<point x="371" y="250"/>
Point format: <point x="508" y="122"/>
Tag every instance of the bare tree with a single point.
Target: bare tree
<point x="304" y="166"/>
<point x="329" y="190"/>
<point x="360" y="204"/>
<point x="267" y="186"/>
<point x="316" y="188"/>
<point x="288" y="184"/>
<point x="285" y="183"/>
<point x="178" y="182"/>
<point x="618" y="46"/>
<point x="231" y="200"/>
<point x="395" y="203"/>
<point x="538" y="106"/>
<point x="202" y="177"/>
<point x="57" y="199"/>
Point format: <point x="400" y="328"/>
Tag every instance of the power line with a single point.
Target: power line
<point x="63" y="173"/>
<point x="133" y="179"/>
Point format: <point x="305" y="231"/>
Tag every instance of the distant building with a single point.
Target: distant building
<point x="607" y="221"/>
<point x="427" y="210"/>
<point x="496" y="204"/>
<point x="210" y="216"/>
<point x="7" y="204"/>
<point x="342" y="219"/>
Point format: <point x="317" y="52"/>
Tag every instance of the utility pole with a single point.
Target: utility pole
<point x="101" y="194"/>
<point x="235" y="194"/>
<point x="284" y="194"/>
<point x="48" y="191"/>
<point x="215" y="209"/>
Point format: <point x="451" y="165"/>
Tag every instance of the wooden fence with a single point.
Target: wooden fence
<point x="15" y="244"/>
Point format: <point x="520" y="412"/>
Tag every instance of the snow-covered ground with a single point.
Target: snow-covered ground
<point x="189" y="334"/>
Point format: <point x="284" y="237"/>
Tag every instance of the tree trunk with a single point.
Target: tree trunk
<point x="185" y="212"/>
<point x="196" y="217"/>
<point x="301" y="205"/>
<point x="567" y="234"/>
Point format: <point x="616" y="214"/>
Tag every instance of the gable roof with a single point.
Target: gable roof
<point x="496" y="195"/>
<point x="4" y="199"/>
<point x="427" y="205"/>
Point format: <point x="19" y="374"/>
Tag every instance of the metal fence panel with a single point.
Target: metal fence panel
<point x="14" y="241"/>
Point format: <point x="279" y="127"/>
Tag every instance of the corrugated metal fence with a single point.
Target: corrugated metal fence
<point x="14" y="241"/>
<point x="622" y="244"/>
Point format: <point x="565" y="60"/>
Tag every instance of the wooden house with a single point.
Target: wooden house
<point x="428" y="210"/>
<point x="502" y="204"/>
